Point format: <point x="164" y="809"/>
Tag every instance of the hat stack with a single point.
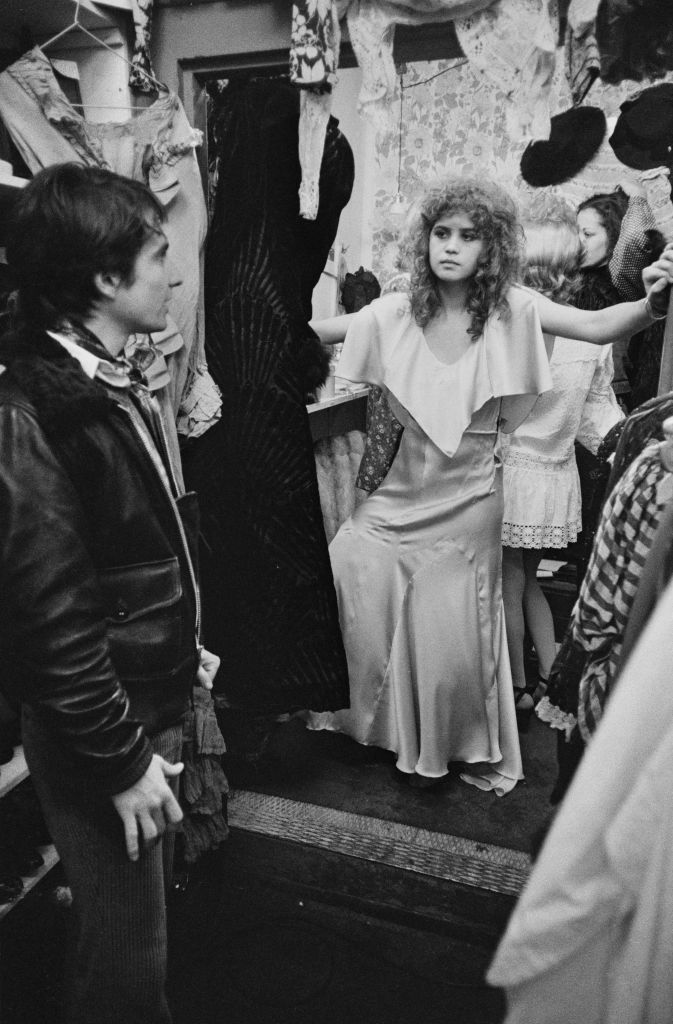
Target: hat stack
<point x="643" y="135"/>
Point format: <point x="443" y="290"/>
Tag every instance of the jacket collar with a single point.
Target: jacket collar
<point x="53" y="381"/>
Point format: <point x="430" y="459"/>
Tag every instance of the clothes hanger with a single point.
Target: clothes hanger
<point x="76" y="23"/>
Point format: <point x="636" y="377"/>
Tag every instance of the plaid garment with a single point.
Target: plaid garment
<point x="624" y="537"/>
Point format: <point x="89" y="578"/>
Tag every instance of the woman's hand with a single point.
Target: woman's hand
<point x="632" y="187"/>
<point x="657" y="279"/>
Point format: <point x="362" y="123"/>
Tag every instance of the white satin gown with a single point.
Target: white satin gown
<point x="417" y="568"/>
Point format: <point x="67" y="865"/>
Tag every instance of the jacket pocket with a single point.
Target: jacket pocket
<point x="142" y="609"/>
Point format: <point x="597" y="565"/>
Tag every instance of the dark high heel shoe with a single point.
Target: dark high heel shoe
<point x="523" y="703"/>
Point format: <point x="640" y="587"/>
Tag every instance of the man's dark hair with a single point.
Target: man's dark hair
<point x="70" y="223"/>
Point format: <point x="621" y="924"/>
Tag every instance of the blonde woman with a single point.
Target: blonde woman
<point x="541" y="481"/>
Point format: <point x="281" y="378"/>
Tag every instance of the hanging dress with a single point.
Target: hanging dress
<point x="269" y="604"/>
<point x="417" y="568"/>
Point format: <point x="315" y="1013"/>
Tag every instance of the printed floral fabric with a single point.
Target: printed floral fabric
<point x="141" y="59"/>
<point x="314" y="58"/>
<point x="384" y="432"/>
<point x="314" y="49"/>
<point x="455" y="122"/>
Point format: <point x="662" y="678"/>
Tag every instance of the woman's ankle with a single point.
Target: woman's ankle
<point x="541" y="687"/>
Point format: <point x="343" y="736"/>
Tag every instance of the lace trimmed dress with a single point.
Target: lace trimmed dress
<point x="417" y="567"/>
<point x="541" y="482"/>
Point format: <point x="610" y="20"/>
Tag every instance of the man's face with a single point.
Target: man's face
<point x="142" y="301"/>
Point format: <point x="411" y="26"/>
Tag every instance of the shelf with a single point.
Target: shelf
<point x="338" y="399"/>
<point x="30" y="881"/>
<point x="14" y="772"/>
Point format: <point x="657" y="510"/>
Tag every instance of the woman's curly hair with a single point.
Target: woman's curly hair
<point x="552" y="249"/>
<point x="493" y="213"/>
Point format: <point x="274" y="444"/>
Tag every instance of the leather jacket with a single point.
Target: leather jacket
<point x="98" y="597"/>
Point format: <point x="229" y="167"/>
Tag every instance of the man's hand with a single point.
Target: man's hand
<point x="657" y="279"/>
<point x="149" y="807"/>
<point x="207" y="669"/>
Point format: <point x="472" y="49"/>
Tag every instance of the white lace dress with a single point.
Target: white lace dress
<point x="541" y="483"/>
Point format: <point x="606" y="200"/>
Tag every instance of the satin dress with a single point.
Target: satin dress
<point x="417" y="568"/>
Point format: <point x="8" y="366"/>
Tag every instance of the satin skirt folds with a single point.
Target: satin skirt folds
<point x="418" y="576"/>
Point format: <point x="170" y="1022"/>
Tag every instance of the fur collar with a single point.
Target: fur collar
<point x="62" y="395"/>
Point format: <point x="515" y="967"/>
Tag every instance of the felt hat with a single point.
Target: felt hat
<point x="643" y="135"/>
<point x="575" y="136"/>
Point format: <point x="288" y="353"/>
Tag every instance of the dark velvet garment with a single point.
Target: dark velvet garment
<point x="270" y="609"/>
<point x="635" y="39"/>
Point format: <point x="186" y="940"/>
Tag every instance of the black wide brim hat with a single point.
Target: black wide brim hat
<point x="643" y="135"/>
<point x="575" y="136"/>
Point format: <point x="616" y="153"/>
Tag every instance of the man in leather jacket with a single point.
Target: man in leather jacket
<point x="99" y="603"/>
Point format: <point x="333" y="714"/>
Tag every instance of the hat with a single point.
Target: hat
<point x="643" y="135"/>
<point x="574" y="137"/>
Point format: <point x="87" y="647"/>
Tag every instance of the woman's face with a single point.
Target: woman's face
<point x="454" y="248"/>
<point x="594" y="238"/>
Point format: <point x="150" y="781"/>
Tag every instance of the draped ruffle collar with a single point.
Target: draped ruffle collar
<point x="509" y="361"/>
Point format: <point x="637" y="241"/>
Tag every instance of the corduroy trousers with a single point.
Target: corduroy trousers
<point x="118" y="955"/>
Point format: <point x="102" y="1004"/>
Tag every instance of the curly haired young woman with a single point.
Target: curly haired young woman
<point x="417" y="568"/>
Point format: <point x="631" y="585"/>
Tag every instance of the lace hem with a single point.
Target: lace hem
<point x="313" y="117"/>
<point x="516" y="536"/>
<point x="552" y="715"/>
<point x="542" y="502"/>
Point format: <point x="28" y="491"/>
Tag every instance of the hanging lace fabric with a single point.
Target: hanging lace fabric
<point x="314" y="58"/>
<point x="158" y="147"/>
<point x="371" y="30"/>
<point x="514" y="45"/>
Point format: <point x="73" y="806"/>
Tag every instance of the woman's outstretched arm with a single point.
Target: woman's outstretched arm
<point x="600" y="327"/>
<point x="332" y="329"/>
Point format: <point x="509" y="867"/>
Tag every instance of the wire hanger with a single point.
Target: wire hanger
<point x="76" y="23"/>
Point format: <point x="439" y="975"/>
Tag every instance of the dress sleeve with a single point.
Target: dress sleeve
<point x="632" y="253"/>
<point x="361" y="358"/>
<point x="601" y="410"/>
<point x="658" y="191"/>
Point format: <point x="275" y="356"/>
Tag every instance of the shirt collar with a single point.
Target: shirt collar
<point x="118" y="372"/>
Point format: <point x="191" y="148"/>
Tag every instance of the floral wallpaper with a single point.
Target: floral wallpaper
<point x="454" y="120"/>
